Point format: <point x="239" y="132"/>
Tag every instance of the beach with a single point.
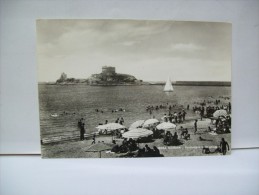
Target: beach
<point x="192" y="147"/>
<point x="129" y="102"/>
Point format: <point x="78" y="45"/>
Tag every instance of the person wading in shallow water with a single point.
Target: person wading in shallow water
<point x="224" y="146"/>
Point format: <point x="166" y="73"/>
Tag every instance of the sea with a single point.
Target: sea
<point x="61" y="106"/>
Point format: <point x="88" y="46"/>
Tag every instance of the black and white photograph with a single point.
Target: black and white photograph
<point x="134" y="88"/>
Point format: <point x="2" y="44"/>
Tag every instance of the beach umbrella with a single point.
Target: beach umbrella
<point x="166" y="125"/>
<point x="137" y="133"/>
<point x="110" y="127"/>
<point x="99" y="127"/>
<point x="150" y="122"/>
<point x="220" y="113"/>
<point x="99" y="147"/>
<point x="136" y="124"/>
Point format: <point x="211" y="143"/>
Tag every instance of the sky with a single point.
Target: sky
<point x="149" y="50"/>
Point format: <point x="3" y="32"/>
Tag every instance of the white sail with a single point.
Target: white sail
<point x="168" y="85"/>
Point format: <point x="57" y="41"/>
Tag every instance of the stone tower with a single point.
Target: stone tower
<point x="108" y="71"/>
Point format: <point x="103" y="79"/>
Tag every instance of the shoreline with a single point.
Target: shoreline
<point x="198" y="84"/>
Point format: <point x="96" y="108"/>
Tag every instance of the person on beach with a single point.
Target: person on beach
<point x="82" y="131"/>
<point x="201" y="115"/>
<point x="209" y="129"/>
<point x="228" y="121"/>
<point x="180" y="117"/>
<point x="79" y="125"/>
<point x="175" y="117"/>
<point x="125" y="142"/>
<point x="187" y="135"/>
<point x="224" y="146"/>
<point x="184" y="113"/>
<point x="165" y="118"/>
<point x="170" y="118"/>
<point x="147" y="149"/>
<point x="156" y="151"/>
<point x="93" y="142"/>
<point x="121" y="121"/>
<point x="195" y="126"/>
<point x="217" y="122"/>
<point x="175" y="137"/>
<point x="183" y="132"/>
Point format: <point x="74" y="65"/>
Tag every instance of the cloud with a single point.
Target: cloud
<point x="186" y="47"/>
<point x="81" y="47"/>
<point x="128" y="43"/>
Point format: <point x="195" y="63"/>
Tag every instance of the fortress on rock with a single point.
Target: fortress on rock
<point x="108" y="76"/>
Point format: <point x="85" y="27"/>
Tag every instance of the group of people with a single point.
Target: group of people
<point x="170" y="139"/>
<point x="152" y="108"/>
<point x="223" y="147"/>
<point x="175" y="117"/>
<point x="120" y="120"/>
<point x="126" y="146"/>
<point x="130" y="148"/>
<point x="148" y="152"/>
<point x="185" y="133"/>
<point x="223" y="124"/>
<point x="205" y="110"/>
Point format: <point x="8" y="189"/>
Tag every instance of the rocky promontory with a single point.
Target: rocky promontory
<point x="108" y="76"/>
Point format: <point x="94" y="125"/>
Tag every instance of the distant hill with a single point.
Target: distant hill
<point x="196" y="83"/>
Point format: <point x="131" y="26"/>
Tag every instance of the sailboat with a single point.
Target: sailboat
<point x="168" y="86"/>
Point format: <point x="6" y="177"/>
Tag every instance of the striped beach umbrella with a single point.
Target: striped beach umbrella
<point x="150" y="122"/>
<point x="220" y="113"/>
<point x="136" y="124"/>
<point x="166" y="125"/>
<point x="137" y="133"/>
<point x="109" y="127"/>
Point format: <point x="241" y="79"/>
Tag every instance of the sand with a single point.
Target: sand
<point x="192" y="147"/>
